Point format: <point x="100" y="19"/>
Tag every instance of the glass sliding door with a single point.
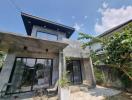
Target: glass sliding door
<point x="30" y="73"/>
<point x="43" y="76"/>
<point x="74" y="69"/>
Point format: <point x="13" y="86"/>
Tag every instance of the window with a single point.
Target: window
<point x="47" y="36"/>
<point x="30" y="73"/>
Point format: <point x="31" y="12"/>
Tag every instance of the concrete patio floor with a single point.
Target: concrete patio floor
<point x="98" y="93"/>
<point x="28" y="96"/>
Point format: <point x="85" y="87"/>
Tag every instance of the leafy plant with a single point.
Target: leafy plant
<point x="64" y="82"/>
<point x="117" y="50"/>
<point x="98" y="75"/>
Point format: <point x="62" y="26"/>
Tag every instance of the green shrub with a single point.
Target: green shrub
<point x="64" y="82"/>
<point x="98" y="76"/>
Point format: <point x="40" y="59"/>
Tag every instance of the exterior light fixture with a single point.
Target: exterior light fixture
<point x="25" y="47"/>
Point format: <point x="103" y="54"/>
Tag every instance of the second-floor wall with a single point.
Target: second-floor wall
<point x="47" y="34"/>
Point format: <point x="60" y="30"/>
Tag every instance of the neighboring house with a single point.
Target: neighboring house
<point x="110" y="76"/>
<point x="39" y="59"/>
<point x="98" y="47"/>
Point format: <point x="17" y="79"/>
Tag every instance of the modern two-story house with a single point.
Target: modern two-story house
<point x="39" y="59"/>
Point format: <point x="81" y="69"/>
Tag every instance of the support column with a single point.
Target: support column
<point x="92" y="71"/>
<point x="60" y="64"/>
<point x="88" y="73"/>
<point x="60" y="69"/>
<point x="64" y="63"/>
<point x="6" y="70"/>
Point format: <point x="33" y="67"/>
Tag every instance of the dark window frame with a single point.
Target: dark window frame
<point x="13" y="69"/>
<point x="80" y="70"/>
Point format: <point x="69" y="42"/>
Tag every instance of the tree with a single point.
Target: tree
<point x="118" y="49"/>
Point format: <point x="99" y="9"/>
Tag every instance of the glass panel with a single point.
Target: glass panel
<point x="74" y="69"/>
<point x="17" y="75"/>
<point x="70" y="71"/>
<point x="29" y="74"/>
<point x="77" y="72"/>
<point x="30" y="62"/>
<point x="47" y="36"/>
<point x="27" y="78"/>
<point x="42" y="74"/>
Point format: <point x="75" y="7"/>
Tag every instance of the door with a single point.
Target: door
<point x="74" y="69"/>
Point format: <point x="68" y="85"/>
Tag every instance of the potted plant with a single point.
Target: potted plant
<point x="64" y="87"/>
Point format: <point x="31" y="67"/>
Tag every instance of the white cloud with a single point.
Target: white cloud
<point x="73" y="17"/>
<point x="112" y="17"/>
<point x="85" y="17"/>
<point x="77" y="26"/>
<point x="105" y="5"/>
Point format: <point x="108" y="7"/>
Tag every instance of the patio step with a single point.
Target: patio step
<point x="77" y="88"/>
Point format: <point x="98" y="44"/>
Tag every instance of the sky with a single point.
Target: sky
<point x="88" y="16"/>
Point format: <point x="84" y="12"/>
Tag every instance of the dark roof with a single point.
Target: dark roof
<point x="114" y="28"/>
<point x="30" y="20"/>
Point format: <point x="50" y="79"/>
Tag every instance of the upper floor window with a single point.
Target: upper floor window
<point x="47" y="36"/>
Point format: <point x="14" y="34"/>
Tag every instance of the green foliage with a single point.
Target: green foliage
<point x="2" y="57"/>
<point x="91" y="39"/>
<point x="126" y="81"/>
<point x="64" y="82"/>
<point x="118" y="50"/>
<point x="68" y="58"/>
<point x="98" y="75"/>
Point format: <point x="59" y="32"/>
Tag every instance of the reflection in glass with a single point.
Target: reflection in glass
<point x="74" y="71"/>
<point x="42" y="75"/>
<point x="29" y="74"/>
<point x="46" y="36"/>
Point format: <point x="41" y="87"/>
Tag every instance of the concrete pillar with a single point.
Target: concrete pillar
<point x="60" y="64"/>
<point x="64" y="63"/>
<point x="60" y="69"/>
<point x="6" y="70"/>
<point x="88" y="73"/>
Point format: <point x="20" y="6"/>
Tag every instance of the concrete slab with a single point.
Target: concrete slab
<point x="98" y="93"/>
